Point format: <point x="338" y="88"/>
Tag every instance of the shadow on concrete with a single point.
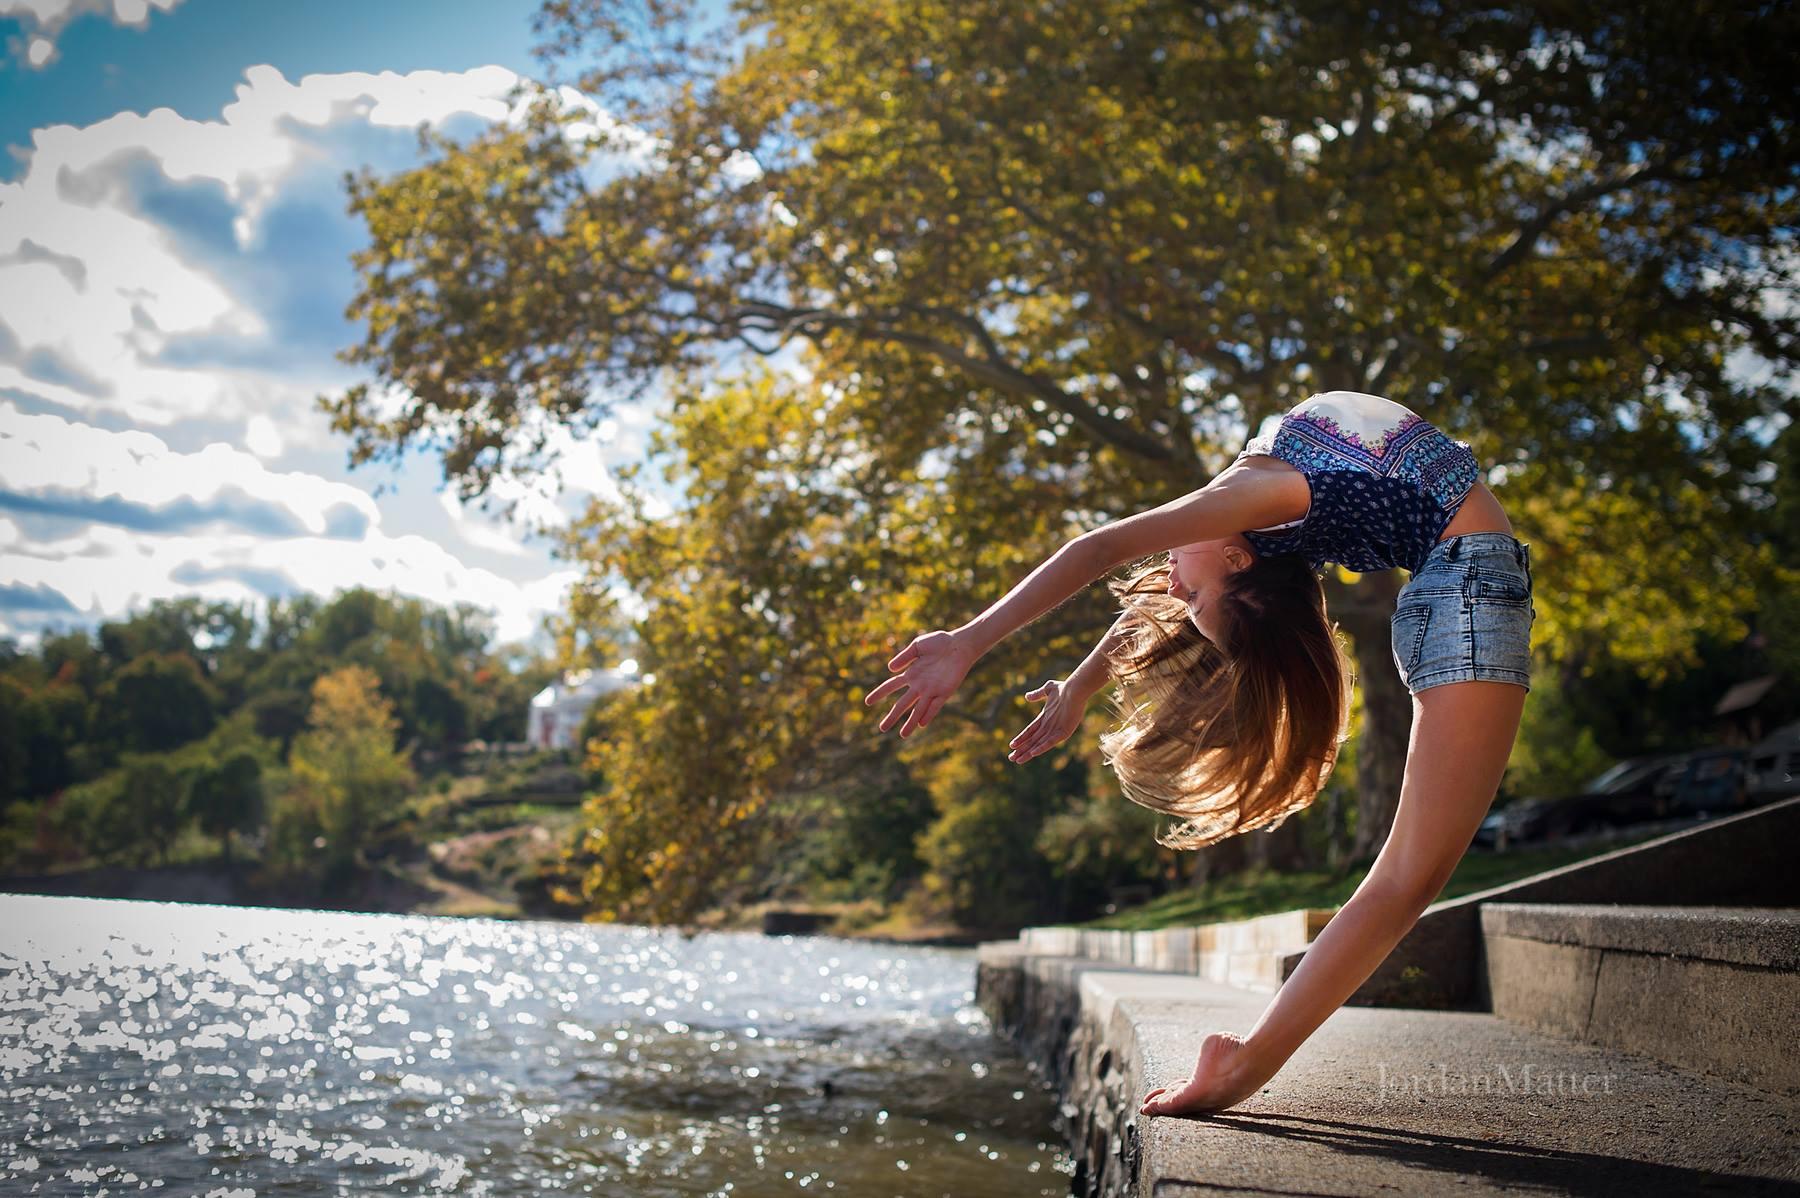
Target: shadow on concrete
<point x="1526" y="1167"/>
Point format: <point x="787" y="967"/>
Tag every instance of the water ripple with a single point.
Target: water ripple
<point x="244" y="1052"/>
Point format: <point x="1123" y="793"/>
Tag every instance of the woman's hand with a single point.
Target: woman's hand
<point x="1223" y="1077"/>
<point x="1063" y="708"/>
<point x="931" y="668"/>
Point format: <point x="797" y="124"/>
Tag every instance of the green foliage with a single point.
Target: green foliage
<point x="155" y="703"/>
<point x="227" y="797"/>
<point x="345" y="767"/>
<point x="1556" y="753"/>
<point x="100" y="817"/>
<point x="1099" y="843"/>
<point x="128" y="816"/>
<point x="769" y="607"/>
<point x="33" y="757"/>
<point x="863" y="840"/>
<point x="20" y="830"/>
<point x="1045" y="267"/>
<point x="152" y="683"/>
<point x="296" y="841"/>
<point x="153" y="794"/>
<point x="984" y="857"/>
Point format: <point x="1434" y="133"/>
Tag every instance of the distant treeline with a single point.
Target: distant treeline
<point x="309" y="742"/>
<point x="292" y="735"/>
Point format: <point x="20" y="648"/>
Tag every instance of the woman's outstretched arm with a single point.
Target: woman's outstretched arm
<point x="933" y="665"/>
<point x="1095" y="670"/>
<point x="1239" y="498"/>
<point x="1066" y="702"/>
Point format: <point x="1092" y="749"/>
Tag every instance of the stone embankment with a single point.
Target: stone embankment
<point x="1611" y="1049"/>
<point x="1379" y="1101"/>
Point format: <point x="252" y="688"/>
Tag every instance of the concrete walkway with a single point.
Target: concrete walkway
<point x="1379" y="1101"/>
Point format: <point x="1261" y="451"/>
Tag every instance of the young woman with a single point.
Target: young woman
<point x="1232" y="685"/>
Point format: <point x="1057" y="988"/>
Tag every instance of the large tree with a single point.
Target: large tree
<point x="346" y="767"/>
<point x="1113" y="237"/>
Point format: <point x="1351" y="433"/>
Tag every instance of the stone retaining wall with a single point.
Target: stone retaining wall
<point x="1090" y="1061"/>
<point x="1742" y="860"/>
<point x="1711" y="988"/>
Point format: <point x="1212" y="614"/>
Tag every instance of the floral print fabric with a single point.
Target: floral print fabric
<point x="1385" y="482"/>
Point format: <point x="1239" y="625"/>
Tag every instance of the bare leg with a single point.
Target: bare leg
<point x="1462" y="735"/>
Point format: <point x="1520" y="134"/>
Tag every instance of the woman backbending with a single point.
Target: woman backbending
<point x="1233" y="688"/>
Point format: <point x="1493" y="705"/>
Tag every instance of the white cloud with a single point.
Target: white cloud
<point x="44" y="20"/>
<point x="262" y="437"/>
<point x="155" y="299"/>
<point x="149" y="522"/>
<point x="97" y="285"/>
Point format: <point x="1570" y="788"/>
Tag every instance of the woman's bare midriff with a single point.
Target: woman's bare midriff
<point x="1480" y="512"/>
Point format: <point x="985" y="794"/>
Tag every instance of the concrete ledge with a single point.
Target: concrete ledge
<point x="1241" y="952"/>
<point x="1377" y="1101"/>
<point x="1743" y="860"/>
<point x="1766" y="937"/>
<point x="1708" y="988"/>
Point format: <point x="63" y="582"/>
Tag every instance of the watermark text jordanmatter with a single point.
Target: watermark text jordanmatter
<point x="1502" y="1079"/>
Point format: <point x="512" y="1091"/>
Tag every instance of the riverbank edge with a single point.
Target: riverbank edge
<point x="1083" y="1046"/>
<point x="387" y="891"/>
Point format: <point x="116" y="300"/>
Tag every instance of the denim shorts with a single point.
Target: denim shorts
<point x="1466" y="614"/>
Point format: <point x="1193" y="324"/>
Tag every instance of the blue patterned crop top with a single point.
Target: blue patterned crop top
<point x="1385" y="483"/>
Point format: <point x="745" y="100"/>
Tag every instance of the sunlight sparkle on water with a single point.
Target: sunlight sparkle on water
<point x="217" y="1050"/>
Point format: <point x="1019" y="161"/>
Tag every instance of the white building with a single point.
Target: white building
<point x="558" y="709"/>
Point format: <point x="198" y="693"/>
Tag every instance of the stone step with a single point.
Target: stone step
<point x="1743" y="860"/>
<point x="1711" y="988"/>
<point x="1243" y="952"/>
<point x="1377" y="1101"/>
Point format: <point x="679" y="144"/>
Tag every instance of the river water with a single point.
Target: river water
<point x="245" y="1052"/>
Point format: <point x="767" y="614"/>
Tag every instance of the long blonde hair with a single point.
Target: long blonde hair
<point x="1233" y="736"/>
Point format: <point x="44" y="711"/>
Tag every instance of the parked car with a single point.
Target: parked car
<point x="1487" y="836"/>
<point x="1772" y="768"/>
<point x="1630" y="792"/>
<point x="1633" y="790"/>
<point x="1710" y="781"/>
<point x="1525" y="819"/>
<point x="1538" y="819"/>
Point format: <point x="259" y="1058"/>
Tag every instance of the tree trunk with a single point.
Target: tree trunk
<point x="1364" y="610"/>
<point x="1218" y="860"/>
<point x="1278" y="849"/>
<point x="1336" y="850"/>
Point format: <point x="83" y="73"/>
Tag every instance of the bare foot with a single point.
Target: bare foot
<point x="1221" y="1079"/>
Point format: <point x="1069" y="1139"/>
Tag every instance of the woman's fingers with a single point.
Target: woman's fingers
<point x="927" y="712"/>
<point x="921" y="715"/>
<point x="902" y="706"/>
<point x="886" y="687"/>
<point x="1192" y="1096"/>
<point x="1034" y="740"/>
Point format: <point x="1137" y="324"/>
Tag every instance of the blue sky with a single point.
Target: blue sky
<point x="192" y="57"/>
<point x="174" y="266"/>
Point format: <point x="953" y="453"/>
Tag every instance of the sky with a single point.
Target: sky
<point x="174" y="267"/>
